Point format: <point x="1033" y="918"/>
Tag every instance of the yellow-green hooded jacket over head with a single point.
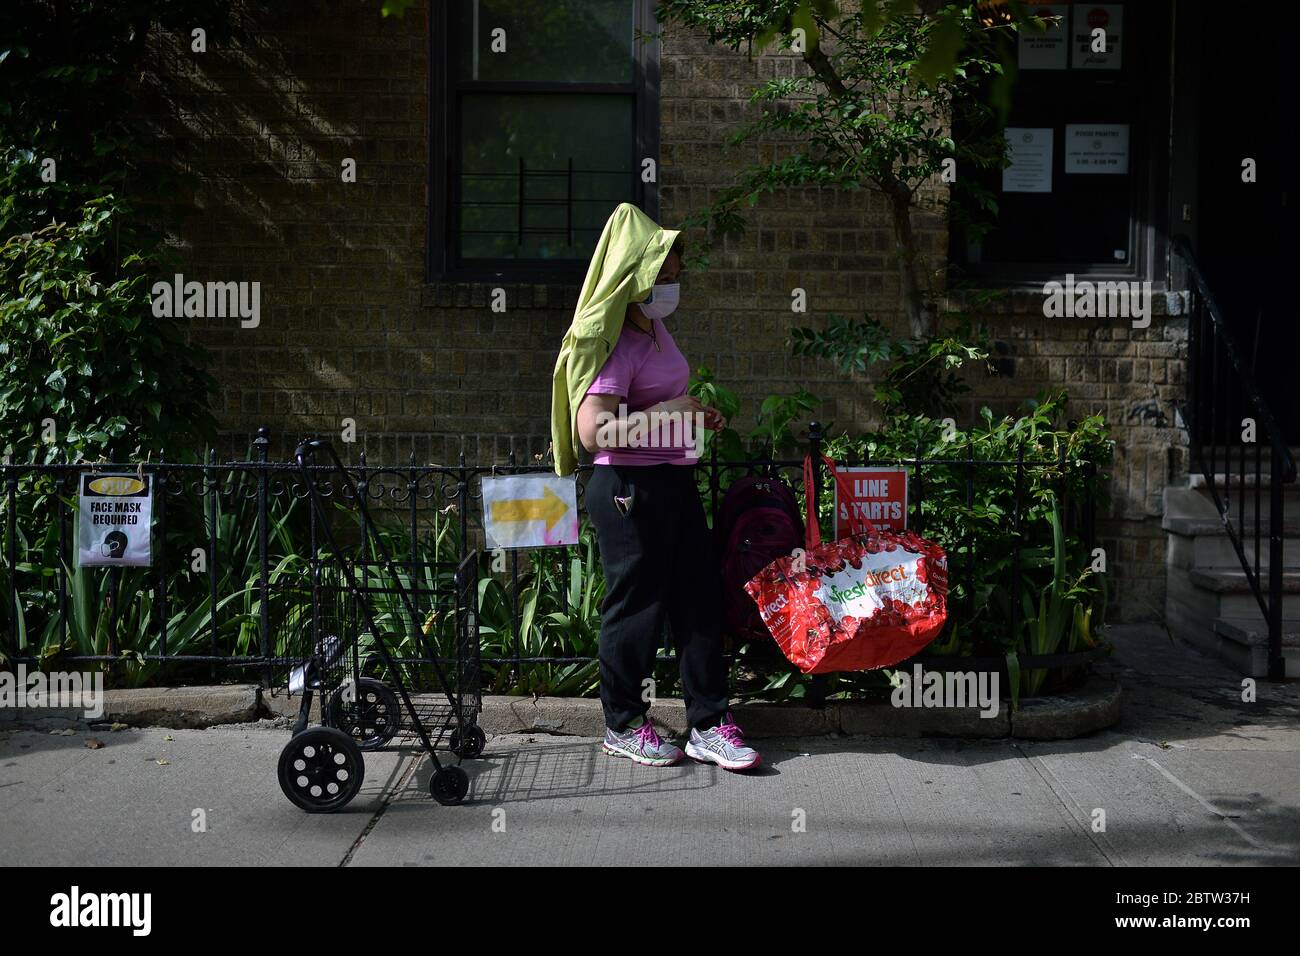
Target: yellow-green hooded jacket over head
<point x="627" y="260"/>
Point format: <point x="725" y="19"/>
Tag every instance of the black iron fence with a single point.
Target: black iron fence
<point x="229" y="541"/>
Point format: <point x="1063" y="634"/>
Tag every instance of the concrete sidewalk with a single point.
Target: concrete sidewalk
<point x="1190" y="776"/>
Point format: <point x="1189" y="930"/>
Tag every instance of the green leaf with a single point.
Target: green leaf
<point x="940" y="56"/>
<point x="1013" y="677"/>
<point x="870" y="17"/>
<point x="803" y="20"/>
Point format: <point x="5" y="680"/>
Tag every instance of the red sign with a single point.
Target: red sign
<point x="1098" y="18"/>
<point x="879" y="496"/>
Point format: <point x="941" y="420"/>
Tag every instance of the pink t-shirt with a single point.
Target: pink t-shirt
<point x="645" y="376"/>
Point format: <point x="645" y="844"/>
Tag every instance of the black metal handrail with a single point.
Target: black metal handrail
<point x="1220" y="382"/>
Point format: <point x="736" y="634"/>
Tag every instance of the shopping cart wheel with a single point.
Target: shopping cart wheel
<point x="449" y="786"/>
<point x="372" y="715"/>
<point x="321" y="769"/>
<point x="469" y="744"/>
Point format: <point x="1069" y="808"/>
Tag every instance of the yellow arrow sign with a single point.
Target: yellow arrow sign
<point x="549" y="508"/>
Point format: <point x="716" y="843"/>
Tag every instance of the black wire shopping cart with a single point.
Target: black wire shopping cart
<point x="386" y="648"/>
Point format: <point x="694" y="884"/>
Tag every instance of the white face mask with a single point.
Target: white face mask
<point x="662" y="301"/>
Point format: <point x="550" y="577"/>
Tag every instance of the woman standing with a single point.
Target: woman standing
<point x="620" y="391"/>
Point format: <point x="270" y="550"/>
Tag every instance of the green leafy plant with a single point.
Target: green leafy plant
<point x="113" y="612"/>
<point x="971" y="510"/>
<point x="920" y="376"/>
<point x="773" y="432"/>
<point x="87" y="372"/>
<point x="556" y="619"/>
<point x="1062" y="615"/>
<point x="83" y="356"/>
<point x="704" y="387"/>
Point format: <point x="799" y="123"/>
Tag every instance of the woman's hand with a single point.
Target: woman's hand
<point x="713" y="419"/>
<point x="681" y="405"/>
<point x="692" y="406"/>
<point x="600" y="410"/>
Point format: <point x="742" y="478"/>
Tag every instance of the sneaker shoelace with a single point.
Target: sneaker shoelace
<point x="730" y="732"/>
<point x="647" y="736"/>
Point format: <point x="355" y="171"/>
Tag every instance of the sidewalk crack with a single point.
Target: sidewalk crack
<point x="1227" y="818"/>
<point x="1103" y="846"/>
<point x="383" y="807"/>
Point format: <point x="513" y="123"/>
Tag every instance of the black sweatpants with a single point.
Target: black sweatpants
<point x="659" y="568"/>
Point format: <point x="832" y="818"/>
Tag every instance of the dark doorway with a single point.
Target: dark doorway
<point x="1247" y="109"/>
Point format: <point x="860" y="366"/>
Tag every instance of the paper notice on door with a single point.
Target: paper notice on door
<point x="1096" y="149"/>
<point x="1050" y="50"/>
<point x="1030" y="152"/>
<point x="1095" y="36"/>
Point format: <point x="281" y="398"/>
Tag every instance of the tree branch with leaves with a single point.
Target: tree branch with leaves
<point x="885" y="85"/>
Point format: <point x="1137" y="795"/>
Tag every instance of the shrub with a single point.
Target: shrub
<point x="86" y="371"/>
<point x="970" y="510"/>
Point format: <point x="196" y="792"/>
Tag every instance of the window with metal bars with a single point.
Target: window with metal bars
<point x="542" y="115"/>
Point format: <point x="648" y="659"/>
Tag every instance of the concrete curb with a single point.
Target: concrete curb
<point x="183" y="706"/>
<point x="276" y="702"/>
<point x="1095" y="706"/>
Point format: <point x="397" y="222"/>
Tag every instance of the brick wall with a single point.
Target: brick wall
<point x="350" y="329"/>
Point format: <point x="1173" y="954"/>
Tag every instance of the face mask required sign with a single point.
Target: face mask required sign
<point x="114" y="515"/>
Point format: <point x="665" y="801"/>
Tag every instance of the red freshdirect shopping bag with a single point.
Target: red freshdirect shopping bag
<point x="869" y="600"/>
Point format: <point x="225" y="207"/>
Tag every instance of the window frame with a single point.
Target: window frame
<point x="1149" y="167"/>
<point x="443" y="262"/>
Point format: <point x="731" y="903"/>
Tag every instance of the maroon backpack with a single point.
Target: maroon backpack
<point x="758" y="522"/>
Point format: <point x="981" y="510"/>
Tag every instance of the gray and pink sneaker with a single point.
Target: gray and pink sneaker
<point x="722" y="745"/>
<point x="641" y="744"/>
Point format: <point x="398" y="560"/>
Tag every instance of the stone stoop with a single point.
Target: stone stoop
<point x="1208" y="599"/>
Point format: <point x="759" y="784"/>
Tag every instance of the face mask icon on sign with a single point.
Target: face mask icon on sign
<point x="114" y="544"/>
